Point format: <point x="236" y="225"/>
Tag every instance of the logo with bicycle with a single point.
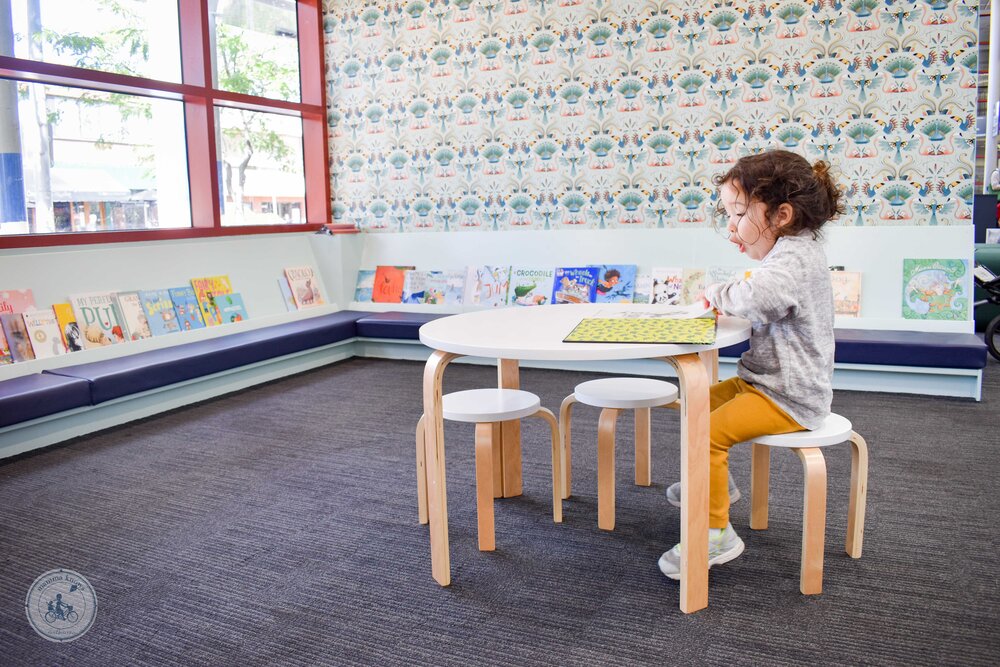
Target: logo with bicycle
<point x="61" y="605"/>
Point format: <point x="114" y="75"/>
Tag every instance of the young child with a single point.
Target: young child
<point x="775" y="204"/>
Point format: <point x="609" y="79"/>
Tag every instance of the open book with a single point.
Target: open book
<point x="673" y="324"/>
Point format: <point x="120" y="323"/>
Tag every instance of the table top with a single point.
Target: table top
<point x="537" y="332"/>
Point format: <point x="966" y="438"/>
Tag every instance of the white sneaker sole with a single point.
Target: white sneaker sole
<point x="724" y="557"/>
<point x="733" y="497"/>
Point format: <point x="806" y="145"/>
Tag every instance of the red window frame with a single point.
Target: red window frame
<point x="199" y="99"/>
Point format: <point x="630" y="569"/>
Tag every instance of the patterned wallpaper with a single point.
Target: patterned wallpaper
<point x="503" y="114"/>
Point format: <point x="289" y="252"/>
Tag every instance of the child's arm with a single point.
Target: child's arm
<point x="768" y="296"/>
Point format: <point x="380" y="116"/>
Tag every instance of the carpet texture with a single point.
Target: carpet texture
<point x="278" y="525"/>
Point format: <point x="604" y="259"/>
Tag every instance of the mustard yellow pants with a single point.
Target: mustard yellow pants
<point x="740" y="412"/>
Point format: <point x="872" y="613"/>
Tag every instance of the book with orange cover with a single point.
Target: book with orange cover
<point x="388" y="287"/>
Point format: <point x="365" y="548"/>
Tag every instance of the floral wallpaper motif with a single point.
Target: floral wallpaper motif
<point x="538" y="114"/>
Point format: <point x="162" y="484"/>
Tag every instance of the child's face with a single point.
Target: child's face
<point x="747" y="222"/>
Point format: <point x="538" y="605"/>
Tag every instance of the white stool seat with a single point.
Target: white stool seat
<point x="625" y="393"/>
<point x="489" y="405"/>
<point x="835" y="430"/>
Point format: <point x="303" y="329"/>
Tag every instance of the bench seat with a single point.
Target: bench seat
<point x="394" y="324"/>
<point x="32" y="396"/>
<point x="134" y="373"/>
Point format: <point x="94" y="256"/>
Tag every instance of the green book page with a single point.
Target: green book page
<point x="696" y="331"/>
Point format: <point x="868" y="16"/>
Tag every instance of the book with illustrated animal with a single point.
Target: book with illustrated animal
<point x="936" y="289"/>
<point x="388" y="287"/>
<point x="98" y="319"/>
<point x="16" y="334"/>
<point x="304" y="284"/>
<point x="693" y="286"/>
<point x="16" y="300"/>
<point x="205" y="290"/>
<point x="133" y="316"/>
<point x="43" y="332"/>
<point x="414" y="286"/>
<point x="668" y="284"/>
<point x="530" y="286"/>
<point x="231" y="307"/>
<point x="575" y="284"/>
<point x="846" y="293"/>
<point x="486" y="286"/>
<point x="68" y="328"/>
<point x="615" y="283"/>
<point x="363" y="286"/>
<point x="445" y="287"/>
<point x="186" y="308"/>
<point x="160" y="313"/>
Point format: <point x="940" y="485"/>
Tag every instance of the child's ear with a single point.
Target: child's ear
<point x="784" y="215"/>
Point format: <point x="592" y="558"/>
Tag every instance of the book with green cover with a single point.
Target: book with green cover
<point x="695" y="331"/>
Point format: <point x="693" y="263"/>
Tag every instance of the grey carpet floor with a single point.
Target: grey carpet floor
<point x="278" y="526"/>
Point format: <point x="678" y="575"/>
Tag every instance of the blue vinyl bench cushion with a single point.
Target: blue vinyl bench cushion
<point x="394" y="324"/>
<point x="122" y="376"/>
<point x="900" y="348"/>
<point x="33" y="396"/>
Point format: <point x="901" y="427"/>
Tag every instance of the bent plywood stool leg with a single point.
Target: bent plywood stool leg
<point x="565" y="416"/>
<point x="813" y="520"/>
<point x="606" y="468"/>
<point x="421" y="473"/>
<point x="484" y="486"/>
<point x="557" y="471"/>
<point x="760" y="470"/>
<point x="643" y="435"/>
<point x="859" y="496"/>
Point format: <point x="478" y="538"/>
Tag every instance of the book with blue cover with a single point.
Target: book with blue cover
<point x="231" y="307"/>
<point x="159" y="309"/>
<point x="575" y="284"/>
<point x="616" y="283"/>
<point x="365" y="285"/>
<point x="186" y="307"/>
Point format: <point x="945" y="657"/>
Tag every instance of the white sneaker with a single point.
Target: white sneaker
<point x="674" y="493"/>
<point x="723" y="546"/>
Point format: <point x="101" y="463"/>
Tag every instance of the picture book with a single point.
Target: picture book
<point x="414" y="285"/>
<point x="304" y="283"/>
<point x="5" y="357"/>
<point x="575" y="284"/>
<point x="846" y="293"/>
<point x="445" y="287"/>
<point x="98" y="319"/>
<point x="186" y="308"/>
<point x="68" y="328"/>
<point x="205" y="290"/>
<point x="17" y="337"/>
<point x="530" y="286"/>
<point x="16" y="300"/>
<point x="486" y="286"/>
<point x="993" y="235"/>
<point x="286" y="294"/>
<point x="722" y="274"/>
<point x="936" y="289"/>
<point x="43" y="332"/>
<point x="231" y="307"/>
<point x="668" y="285"/>
<point x="643" y="288"/>
<point x="388" y="287"/>
<point x="693" y="286"/>
<point x="133" y="316"/>
<point x="160" y="313"/>
<point x="616" y="283"/>
<point x="364" y="285"/>
<point x="697" y="331"/>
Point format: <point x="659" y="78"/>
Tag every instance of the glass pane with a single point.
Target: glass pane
<point x="261" y="168"/>
<point x="74" y="160"/>
<point x="257" y="48"/>
<point x="137" y="37"/>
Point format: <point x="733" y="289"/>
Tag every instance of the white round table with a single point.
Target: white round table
<point x="536" y="333"/>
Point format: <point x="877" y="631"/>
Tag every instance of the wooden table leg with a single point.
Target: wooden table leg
<point x="508" y="378"/>
<point x="711" y="360"/>
<point x="437" y="498"/>
<point x="694" y="383"/>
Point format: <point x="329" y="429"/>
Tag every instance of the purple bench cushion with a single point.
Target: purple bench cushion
<point x="900" y="348"/>
<point x="134" y="373"/>
<point x="394" y="324"/>
<point x="34" y="396"/>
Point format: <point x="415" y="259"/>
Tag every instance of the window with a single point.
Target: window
<point x="139" y="119"/>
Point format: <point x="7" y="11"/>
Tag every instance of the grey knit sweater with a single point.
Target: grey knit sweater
<point x="789" y="301"/>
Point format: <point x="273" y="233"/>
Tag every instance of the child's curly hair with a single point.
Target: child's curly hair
<point x="777" y="177"/>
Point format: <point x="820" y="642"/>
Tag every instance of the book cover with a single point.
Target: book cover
<point x="696" y="331"/>
<point x="643" y="288"/>
<point x="286" y="294"/>
<point x="616" y="283"/>
<point x="445" y="287"/>
<point x="231" y="307"/>
<point x="98" y="319"/>
<point x="5" y="357"/>
<point x="693" y="286"/>
<point x="205" y="290"/>
<point x="722" y="274"/>
<point x="936" y="289"/>
<point x="414" y="286"/>
<point x="304" y="283"/>
<point x="16" y="300"/>
<point x="186" y="308"/>
<point x="364" y="285"/>
<point x="68" y="328"/>
<point x="388" y="287"/>
<point x="846" y="293"/>
<point x="43" y="332"/>
<point x="486" y="286"/>
<point x="530" y="286"/>
<point x="160" y="313"/>
<point x="993" y="235"/>
<point x="575" y="284"/>
<point x="133" y="316"/>
<point x="17" y="337"/>
<point x="668" y="284"/>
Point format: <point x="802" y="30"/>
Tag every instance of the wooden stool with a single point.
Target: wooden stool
<point x="614" y="395"/>
<point x="807" y="445"/>
<point x="487" y="409"/>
